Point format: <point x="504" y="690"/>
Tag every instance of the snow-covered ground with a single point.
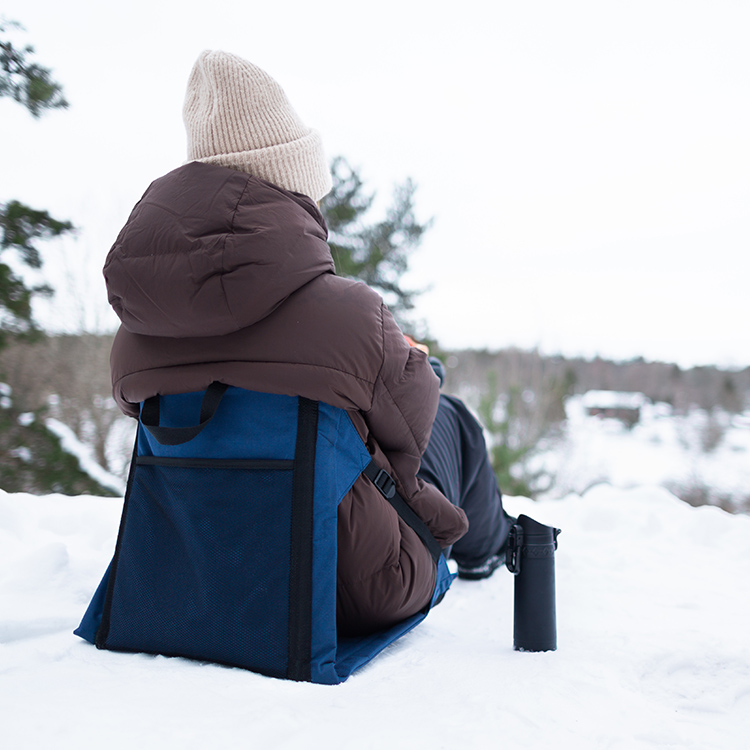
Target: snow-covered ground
<point x="83" y="453"/>
<point x="695" y="454"/>
<point x="653" y="634"/>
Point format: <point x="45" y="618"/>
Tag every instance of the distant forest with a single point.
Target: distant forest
<point x="703" y="387"/>
<point x="76" y="370"/>
<point x="67" y="378"/>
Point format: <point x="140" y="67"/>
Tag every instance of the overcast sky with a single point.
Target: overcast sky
<point x="586" y="163"/>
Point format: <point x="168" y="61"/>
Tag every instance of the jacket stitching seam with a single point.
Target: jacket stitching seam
<point x="382" y="357"/>
<point x="224" y="248"/>
<point x="385" y="386"/>
<point x="247" y="362"/>
<point x="406" y="421"/>
<point x="403" y="417"/>
<point x="396" y="567"/>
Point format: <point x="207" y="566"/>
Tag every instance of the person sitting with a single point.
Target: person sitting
<point x="222" y="273"/>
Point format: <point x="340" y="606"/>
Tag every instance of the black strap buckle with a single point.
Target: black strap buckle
<point x="384" y="482"/>
<point x="513" y="549"/>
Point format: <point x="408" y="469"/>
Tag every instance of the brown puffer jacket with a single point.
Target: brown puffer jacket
<point x="218" y="275"/>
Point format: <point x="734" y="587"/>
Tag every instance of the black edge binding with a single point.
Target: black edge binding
<point x="249" y="464"/>
<point x="301" y="558"/>
<point x="102" y="632"/>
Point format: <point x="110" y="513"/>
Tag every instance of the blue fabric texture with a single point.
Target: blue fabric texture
<point x="202" y="565"/>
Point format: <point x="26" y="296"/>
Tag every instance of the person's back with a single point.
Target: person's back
<point x="223" y="273"/>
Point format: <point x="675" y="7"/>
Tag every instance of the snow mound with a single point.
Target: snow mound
<point x="696" y="452"/>
<point x="653" y="651"/>
<point x="71" y="444"/>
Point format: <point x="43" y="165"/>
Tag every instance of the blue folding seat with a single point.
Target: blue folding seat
<point x="227" y="545"/>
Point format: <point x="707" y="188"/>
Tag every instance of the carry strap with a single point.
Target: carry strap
<point x="384" y="482"/>
<point x="178" y="435"/>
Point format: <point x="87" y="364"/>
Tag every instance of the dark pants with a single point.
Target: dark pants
<point x="456" y="461"/>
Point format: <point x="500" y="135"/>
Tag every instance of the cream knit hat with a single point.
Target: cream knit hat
<point x="237" y="116"/>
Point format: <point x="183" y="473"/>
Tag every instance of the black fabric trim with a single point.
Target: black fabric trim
<point x="383" y="481"/>
<point x="252" y="464"/>
<point x="179" y="435"/>
<point x="301" y="558"/>
<point x="102" y="632"/>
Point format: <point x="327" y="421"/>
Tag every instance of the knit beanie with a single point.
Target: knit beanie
<point x="237" y="116"/>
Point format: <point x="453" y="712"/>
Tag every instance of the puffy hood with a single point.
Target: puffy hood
<point x="208" y="251"/>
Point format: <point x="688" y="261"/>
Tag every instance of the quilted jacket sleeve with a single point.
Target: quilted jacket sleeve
<point x="405" y="401"/>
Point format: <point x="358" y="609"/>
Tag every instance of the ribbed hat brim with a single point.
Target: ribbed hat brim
<point x="299" y="166"/>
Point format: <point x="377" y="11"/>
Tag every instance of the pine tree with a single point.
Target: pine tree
<point x="376" y="253"/>
<point x="32" y="86"/>
<point x="27" y="82"/>
<point x="32" y="458"/>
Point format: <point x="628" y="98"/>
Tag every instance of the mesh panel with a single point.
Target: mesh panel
<point x="203" y="569"/>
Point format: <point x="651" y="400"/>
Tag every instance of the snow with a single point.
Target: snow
<point x="26" y="418"/>
<point x="613" y="400"/>
<point x="697" y="451"/>
<point x="654" y="651"/>
<point x="23" y="453"/>
<point x="68" y="440"/>
<point x="71" y="444"/>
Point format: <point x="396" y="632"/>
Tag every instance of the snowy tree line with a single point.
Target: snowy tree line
<point x="522" y="398"/>
<point x="705" y="387"/>
<point x="519" y="395"/>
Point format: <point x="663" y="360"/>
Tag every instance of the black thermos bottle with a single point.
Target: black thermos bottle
<point x="531" y="558"/>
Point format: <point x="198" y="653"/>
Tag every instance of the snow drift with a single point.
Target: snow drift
<point x="653" y="618"/>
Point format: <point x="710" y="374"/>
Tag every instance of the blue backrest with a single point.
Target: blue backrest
<point x="227" y="544"/>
